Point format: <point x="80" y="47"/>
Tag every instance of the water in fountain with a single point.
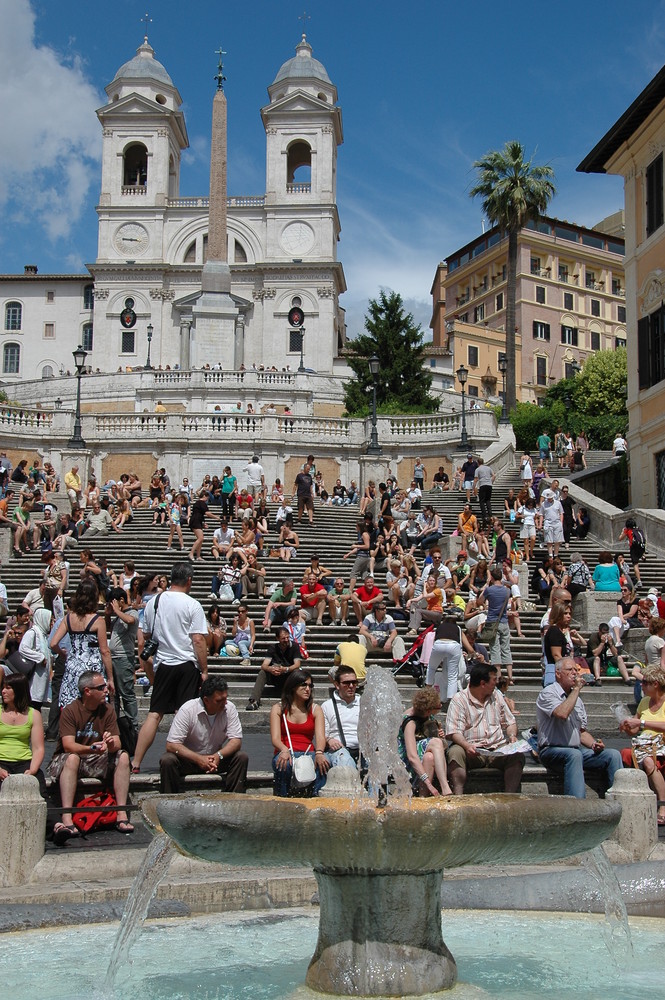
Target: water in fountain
<point x="616" y="929"/>
<point x="153" y="869"/>
<point x="381" y="714"/>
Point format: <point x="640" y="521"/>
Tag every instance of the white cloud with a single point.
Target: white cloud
<point x="51" y="140"/>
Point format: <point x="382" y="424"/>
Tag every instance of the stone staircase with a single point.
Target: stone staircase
<point x="331" y="536"/>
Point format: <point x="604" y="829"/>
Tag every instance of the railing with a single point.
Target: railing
<point x="134" y="189"/>
<point x="298" y="188"/>
<point x="417" y="426"/>
<point x="236" y="201"/>
<point x="19" y="416"/>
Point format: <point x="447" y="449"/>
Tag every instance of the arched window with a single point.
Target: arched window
<point x="89" y="297"/>
<point x="135" y="172"/>
<point x="86" y="337"/>
<point x="13" y="316"/>
<point x="11" y="359"/>
<point x="47" y="371"/>
<point x="190" y="254"/>
<point x="299" y="163"/>
<point x="239" y="254"/>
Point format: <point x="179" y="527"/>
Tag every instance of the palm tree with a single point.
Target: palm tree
<point x="513" y="192"/>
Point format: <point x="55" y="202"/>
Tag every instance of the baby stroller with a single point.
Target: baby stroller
<point x="411" y="659"/>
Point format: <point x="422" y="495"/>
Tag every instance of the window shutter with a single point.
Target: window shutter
<point x="643" y="353"/>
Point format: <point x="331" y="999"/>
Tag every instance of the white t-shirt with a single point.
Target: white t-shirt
<point x="348" y="716"/>
<point x="255" y="473"/>
<point x="222" y="537"/>
<point x="177" y="619"/>
<point x="528" y="515"/>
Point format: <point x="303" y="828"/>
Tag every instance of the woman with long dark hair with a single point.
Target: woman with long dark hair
<point x="296" y="722"/>
<point x="21" y="732"/>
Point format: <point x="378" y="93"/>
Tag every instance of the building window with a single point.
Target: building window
<point x="568" y="370"/>
<point x="50" y="295"/>
<point x="86" y="338"/>
<point x="651" y="348"/>
<point x="595" y="340"/>
<point x="568" y="300"/>
<point x="590" y="279"/>
<point x="535" y="265"/>
<point x="541" y="331"/>
<point x="655" y="195"/>
<point x="135" y="166"/>
<point x="47" y="371"/>
<point x="11" y="359"/>
<point x="660" y="479"/>
<point x="479" y="314"/>
<point x="595" y="307"/>
<point x="569" y="335"/>
<point x="295" y="336"/>
<point x="540" y="294"/>
<point x="13" y="316"/>
<point x="563" y="273"/>
<point x="299" y="164"/>
<point x="473" y="391"/>
<point x="619" y="342"/>
<point x="89" y="297"/>
<point x="128" y="341"/>
<point x="472" y="355"/>
<point x="616" y="286"/>
<point x="541" y="371"/>
<point x="464" y="318"/>
<point x="621" y="314"/>
<point x="49" y="331"/>
<point x="499" y="302"/>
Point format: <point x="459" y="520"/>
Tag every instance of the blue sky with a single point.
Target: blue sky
<point x="425" y="89"/>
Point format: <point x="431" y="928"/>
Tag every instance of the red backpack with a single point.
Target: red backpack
<point x="96" y="818"/>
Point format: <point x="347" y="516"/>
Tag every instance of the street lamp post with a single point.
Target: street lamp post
<point x="503" y="368"/>
<point x="301" y="366"/>
<point x="462" y="375"/>
<point x="149" y="332"/>
<point x="76" y="441"/>
<point x="374" y="447"/>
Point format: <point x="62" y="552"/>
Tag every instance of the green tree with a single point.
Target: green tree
<point x="513" y="192"/>
<point x="403" y="384"/>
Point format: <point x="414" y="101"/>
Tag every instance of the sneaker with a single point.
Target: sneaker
<point x="252" y="706"/>
<point x="236" y="602"/>
<point x="246" y="662"/>
<point x="343" y="622"/>
<point x="412" y="631"/>
<point x="213" y="597"/>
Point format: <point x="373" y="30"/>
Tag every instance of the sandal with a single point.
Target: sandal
<point x="62" y="833"/>
<point x="124" y="826"/>
<point x="136" y="769"/>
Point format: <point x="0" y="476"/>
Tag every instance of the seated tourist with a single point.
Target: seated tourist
<point x="21" y="732"/>
<point x="602" y="653"/>
<point x="378" y="633"/>
<point x="297" y="727"/>
<point x="89" y="746"/>
<point x="365" y="597"/>
<point x="205" y="737"/>
<point x="282" y="659"/>
<point x="340" y="713"/>
<point x="313" y="598"/>
<point x="279" y="604"/>
<point x="421" y="745"/>
<point x="479" y="722"/>
<point x="564" y="742"/>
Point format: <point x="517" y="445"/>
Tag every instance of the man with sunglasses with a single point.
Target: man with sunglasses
<point x="341" y="718"/>
<point x="89" y="747"/>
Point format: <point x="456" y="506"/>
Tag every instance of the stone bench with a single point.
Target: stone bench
<point x="592" y="607"/>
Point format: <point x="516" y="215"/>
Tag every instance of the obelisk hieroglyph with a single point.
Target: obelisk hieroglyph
<point x="215" y="313"/>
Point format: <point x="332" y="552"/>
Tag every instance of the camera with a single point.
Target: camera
<point x="149" y="649"/>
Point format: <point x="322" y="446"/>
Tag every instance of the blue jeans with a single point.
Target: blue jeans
<point x="282" y="780"/>
<point x="574" y="761"/>
<point x="341" y="758"/>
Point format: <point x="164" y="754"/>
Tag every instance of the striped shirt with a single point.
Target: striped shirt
<point x="480" y="723"/>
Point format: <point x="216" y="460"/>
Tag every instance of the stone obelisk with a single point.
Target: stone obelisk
<point x="215" y="313"/>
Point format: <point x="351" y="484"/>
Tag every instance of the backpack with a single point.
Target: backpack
<point x="96" y="818"/>
<point x="639" y="538"/>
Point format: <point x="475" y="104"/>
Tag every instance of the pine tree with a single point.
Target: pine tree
<point x="403" y="384"/>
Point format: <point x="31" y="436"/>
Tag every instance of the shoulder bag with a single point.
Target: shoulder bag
<point x="489" y="632"/>
<point x="303" y="770"/>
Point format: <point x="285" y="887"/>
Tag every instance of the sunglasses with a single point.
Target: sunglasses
<point x="98" y="687"/>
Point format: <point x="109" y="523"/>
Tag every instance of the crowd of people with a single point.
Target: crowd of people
<point x="79" y="644"/>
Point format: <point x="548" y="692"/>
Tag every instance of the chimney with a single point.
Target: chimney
<point x="30" y="269"/>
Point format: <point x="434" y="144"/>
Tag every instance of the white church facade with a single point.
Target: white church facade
<point x="152" y="244"/>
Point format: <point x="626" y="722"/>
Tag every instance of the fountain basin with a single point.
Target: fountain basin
<point x="379" y="871"/>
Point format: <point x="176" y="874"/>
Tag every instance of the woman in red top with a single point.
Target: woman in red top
<point x="306" y="727"/>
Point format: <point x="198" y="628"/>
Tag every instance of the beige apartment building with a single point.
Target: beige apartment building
<point x="570" y="303"/>
<point x="633" y="148"/>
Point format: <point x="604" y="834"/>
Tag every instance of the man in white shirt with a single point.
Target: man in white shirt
<point x="341" y="719"/>
<point x="178" y="624"/>
<point x="205" y="738"/>
<point x="378" y="634"/>
<point x="222" y="540"/>
<point x="256" y="480"/>
<point x="551" y="515"/>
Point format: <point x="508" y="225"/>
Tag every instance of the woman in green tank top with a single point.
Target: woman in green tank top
<point x="21" y="732"/>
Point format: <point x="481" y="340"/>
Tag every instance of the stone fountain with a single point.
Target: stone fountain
<point x="379" y="870"/>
